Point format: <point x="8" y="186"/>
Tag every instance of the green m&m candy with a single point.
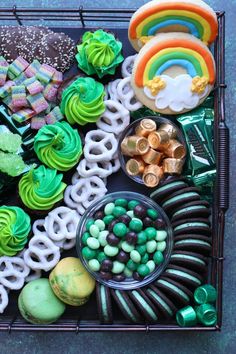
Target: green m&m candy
<point x="136" y="225"/>
<point x="132" y="204"/>
<point x="94" y="265"/>
<point x="85" y="236"/>
<point x="142" y="238"/>
<point x="120" y="229"/>
<point x="145" y="258"/>
<point x="131" y="265"/>
<point x="143" y="270"/>
<point x="150" y="233"/>
<point x="93" y="243"/>
<point x="153" y="214"/>
<point x="158" y="257"/>
<point x="141" y="249"/>
<point x="109" y="208"/>
<point x="88" y="224"/>
<point x="88" y="253"/>
<point x="118" y="211"/>
<point x="121" y="202"/>
<point x="135" y="256"/>
<point x="94" y="230"/>
<point x="101" y="257"/>
<point x="108" y="219"/>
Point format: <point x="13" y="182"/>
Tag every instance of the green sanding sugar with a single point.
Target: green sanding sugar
<point x="11" y="164"/>
<point x="10" y="142"/>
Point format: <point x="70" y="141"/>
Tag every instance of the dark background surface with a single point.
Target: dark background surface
<point x="132" y="343"/>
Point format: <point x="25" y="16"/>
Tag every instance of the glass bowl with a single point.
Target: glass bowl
<point x="130" y="130"/>
<point x="128" y="283"/>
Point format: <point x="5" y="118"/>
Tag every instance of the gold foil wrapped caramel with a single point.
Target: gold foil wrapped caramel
<point x="134" y="145"/>
<point x="152" y="175"/>
<point x="169" y="129"/>
<point x="173" y="166"/>
<point x="175" y="149"/>
<point x="152" y="157"/>
<point x="135" y="166"/>
<point x="145" y="127"/>
<point x="158" y="140"/>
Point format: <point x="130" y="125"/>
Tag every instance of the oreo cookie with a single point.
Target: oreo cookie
<point x="167" y="187"/>
<point x="191" y="260"/>
<point x="181" y="197"/>
<point x="126" y="306"/>
<point x="192" y="226"/>
<point x="104" y="303"/>
<point x="198" y="208"/>
<point x="174" y="290"/>
<point x="192" y="242"/>
<point x="145" y="306"/>
<point x="184" y="276"/>
<point x="165" y="307"/>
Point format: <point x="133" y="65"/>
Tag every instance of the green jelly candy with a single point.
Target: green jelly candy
<point x="151" y="246"/>
<point x="89" y="223"/>
<point x="109" y="208"/>
<point x="130" y="213"/>
<point x="135" y="256"/>
<point x="121" y="202"/>
<point x="141" y="249"/>
<point x="111" y="251"/>
<point x="102" y="238"/>
<point x="161" y="235"/>
<point x="158" y="257"/>
<point x="120" y="229"/>
<point x="118" y="267"/>
<point x="131" y="265"/>
<point x="94" y="265"/>
<point x="108" y="219"/>
<point x="142" y="238"/>
<point x="100" y="224"/>
<point x="161" y="246"/>
<point x="152" y="213"/>
<point x="127" y="247"/>
<point x="136" y="225"/>
<point x="143" y="270"/>
<point x="101" y="257"/>
<point x="150" y="233"/>
<point x="127" y="272"/>
<point x="145" y="258"/>
<point x="118" y="211"/>
<point x="88" y="253"/>
<point x="85" y="236"/>
<point x="151" y="265"/>
<point x="93" y="243"/>
<point x="132" y="204"/>
<point x="94" y="230"/>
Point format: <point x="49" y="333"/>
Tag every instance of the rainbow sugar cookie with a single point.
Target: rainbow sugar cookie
<point x="173" y="73"/>
<point x="162" y="16"/>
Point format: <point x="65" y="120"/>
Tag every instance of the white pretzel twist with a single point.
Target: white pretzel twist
<point x="99" y="146"/>
<point x="112" y="90"/>
<point x="71" y="203"/>
<point x="61" y="223"/>
<point x="13" y="271"/>
<point x="66" y="244"/>
<point x="115" y="118"/>
<point x="115" y="163"/>
<point x="3" y="298"/>
<point x="127" y="95"/>
<point x="88" y="169"/>
<point x="75" y="177"/>
<point x="127" y="66"/>
<point x="33" y="275"/>
<point x="41" y="253"/>
<point x="38" y="227"/>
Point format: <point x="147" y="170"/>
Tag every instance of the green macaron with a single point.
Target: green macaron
<point x="38" y="304"/>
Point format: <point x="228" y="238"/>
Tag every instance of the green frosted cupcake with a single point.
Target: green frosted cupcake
<point x="99" y="53"/>
<point x="58" y="146"/>
<point x="14" y="230"/>
<point x="82" y="101"/>
<point x="41" y="188"/>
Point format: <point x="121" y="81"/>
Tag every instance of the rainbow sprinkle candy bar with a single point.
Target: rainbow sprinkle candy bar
<point x="33" y="68"/>
<point x="37" y="102"/>
<point x="54" y="116"/>
<point x="6" y="89"/>
<point x="19" y="96"/>
<point x="45" y="73"/>
<point x="8" y="102"/>
<point x="50" y="92"/>
<point x="17" y="67"/>
<point x="3" y="75"/>
<point x="37" y="123"/>
<point x="57" y="78"/>
<point x="23" y="115"/>
<point x="33" y="85"/>
<point x="20" y="79"/>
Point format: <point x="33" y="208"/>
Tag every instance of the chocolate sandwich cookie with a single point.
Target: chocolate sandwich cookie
<point x="185" y="195"/>
<point x="192" y="226"/>
<point x="174" y="290"/>
<point x="192" y="242"/>
<point x="165" y="307"/>
<point x="187" y="277"/>
<point x="103" y="296"/>
<point x="126" y="306"/>
<point x="198" y="208"/>
<point x="191" y="260"/>
<point x="167" y="187"/>
<point x="145" y="306"/>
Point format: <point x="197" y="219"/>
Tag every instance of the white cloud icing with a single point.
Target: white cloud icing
<point x="177" y="94"/>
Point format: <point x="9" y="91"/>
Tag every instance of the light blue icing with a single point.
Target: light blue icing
<point x="189" y="67"/>
<point x="191" y="27"/>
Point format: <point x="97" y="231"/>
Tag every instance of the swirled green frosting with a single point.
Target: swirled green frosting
<point x="82" y="101"/>
<point x="99" y="53"/>
<point x="14" y="229"/>
<point x="58" y="146"/>
<point x="41" y="188"/>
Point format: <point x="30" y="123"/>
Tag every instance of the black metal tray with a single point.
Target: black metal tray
<point x="74" y="22"/>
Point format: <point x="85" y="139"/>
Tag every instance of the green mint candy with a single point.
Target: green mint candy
<point x="141" y="249"/>
<point x="118" y="211"/>
<point x="127" y="272"/>
<point x="143" y="270"/>
<point x="100" y="224"/>
<point x="145" y="258"/>
<point x="151" y="246"/>
<point x="120" y="229"/>
<point x="152" y="213"/>
<point x="88" y="253"/>
<point x="108" y="219"/>
<point x="93" y="243"/>
<point x="132" y="204"/>
<point x="111" y="251"/>
<point x="89" y="223"/>
<point x="158" y="257"/>
<point x="161" y="246"/>
<point x="118" y="267"/>
<point x="151" y="265"/>
<point x="135" y="256"/>
<point x="94" y="265"/>
<point x="109" y="208"/>
<point x="101" y="257"/>
<point x="150" y="233"/>
<point x="85" y="236"/>
<point x="94" y="230"/>
<point x="142" y="238"/>
<point x="130" y="213"/>
<point x="121" y="202"/>
<point x="102" y="237"/>
<point x="127" y="247"/>
<point x="136" y="225"/>
<point x="161" y="235"/>
<point x="131" y="265"/>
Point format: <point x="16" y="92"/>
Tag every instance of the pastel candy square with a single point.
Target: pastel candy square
<point x="33" y="68"/>
<point x="33" y="85"/>
<point x="19" y="96"/>
<point x="3" y="75"/>
<point x="57" y="78"/>
<point x="45" y="73"/>
<point x="37" y="102"/>
<point x="8" y="102"/>
<point x="17" y="67"/>
<point x="37" y="122"/>
<point x="6" y="89"/>
<point x="50" y="92"/>
<point x="23" y="115"/>
<point x="20" y="79"/>
<point x="54" y="116"/>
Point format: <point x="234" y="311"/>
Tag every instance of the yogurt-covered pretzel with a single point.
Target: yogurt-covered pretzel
<point x="99" y="146"/>
<point x="3" y="298"/>
<point x="38" y="227"/>
<point x="61" y="224"/>
<point x="42" y="253"/>
<point x="115" y="118"/>
<point x="101" y="169"/>
<point x="75" y="177"/>
<point x="127" y="95"/>
<point x="33" y="275"/>
<point x="127" y="66"/>
<point x="115" y="163"/>
<point x="112" y="90"/>
<point x="13" y="271"/>
<point x="71" y="203"/>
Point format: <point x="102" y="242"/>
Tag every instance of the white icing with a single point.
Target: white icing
<point x="177" y="94"/>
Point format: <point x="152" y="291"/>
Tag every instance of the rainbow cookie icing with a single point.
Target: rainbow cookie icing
<point x="189" y="16"/>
